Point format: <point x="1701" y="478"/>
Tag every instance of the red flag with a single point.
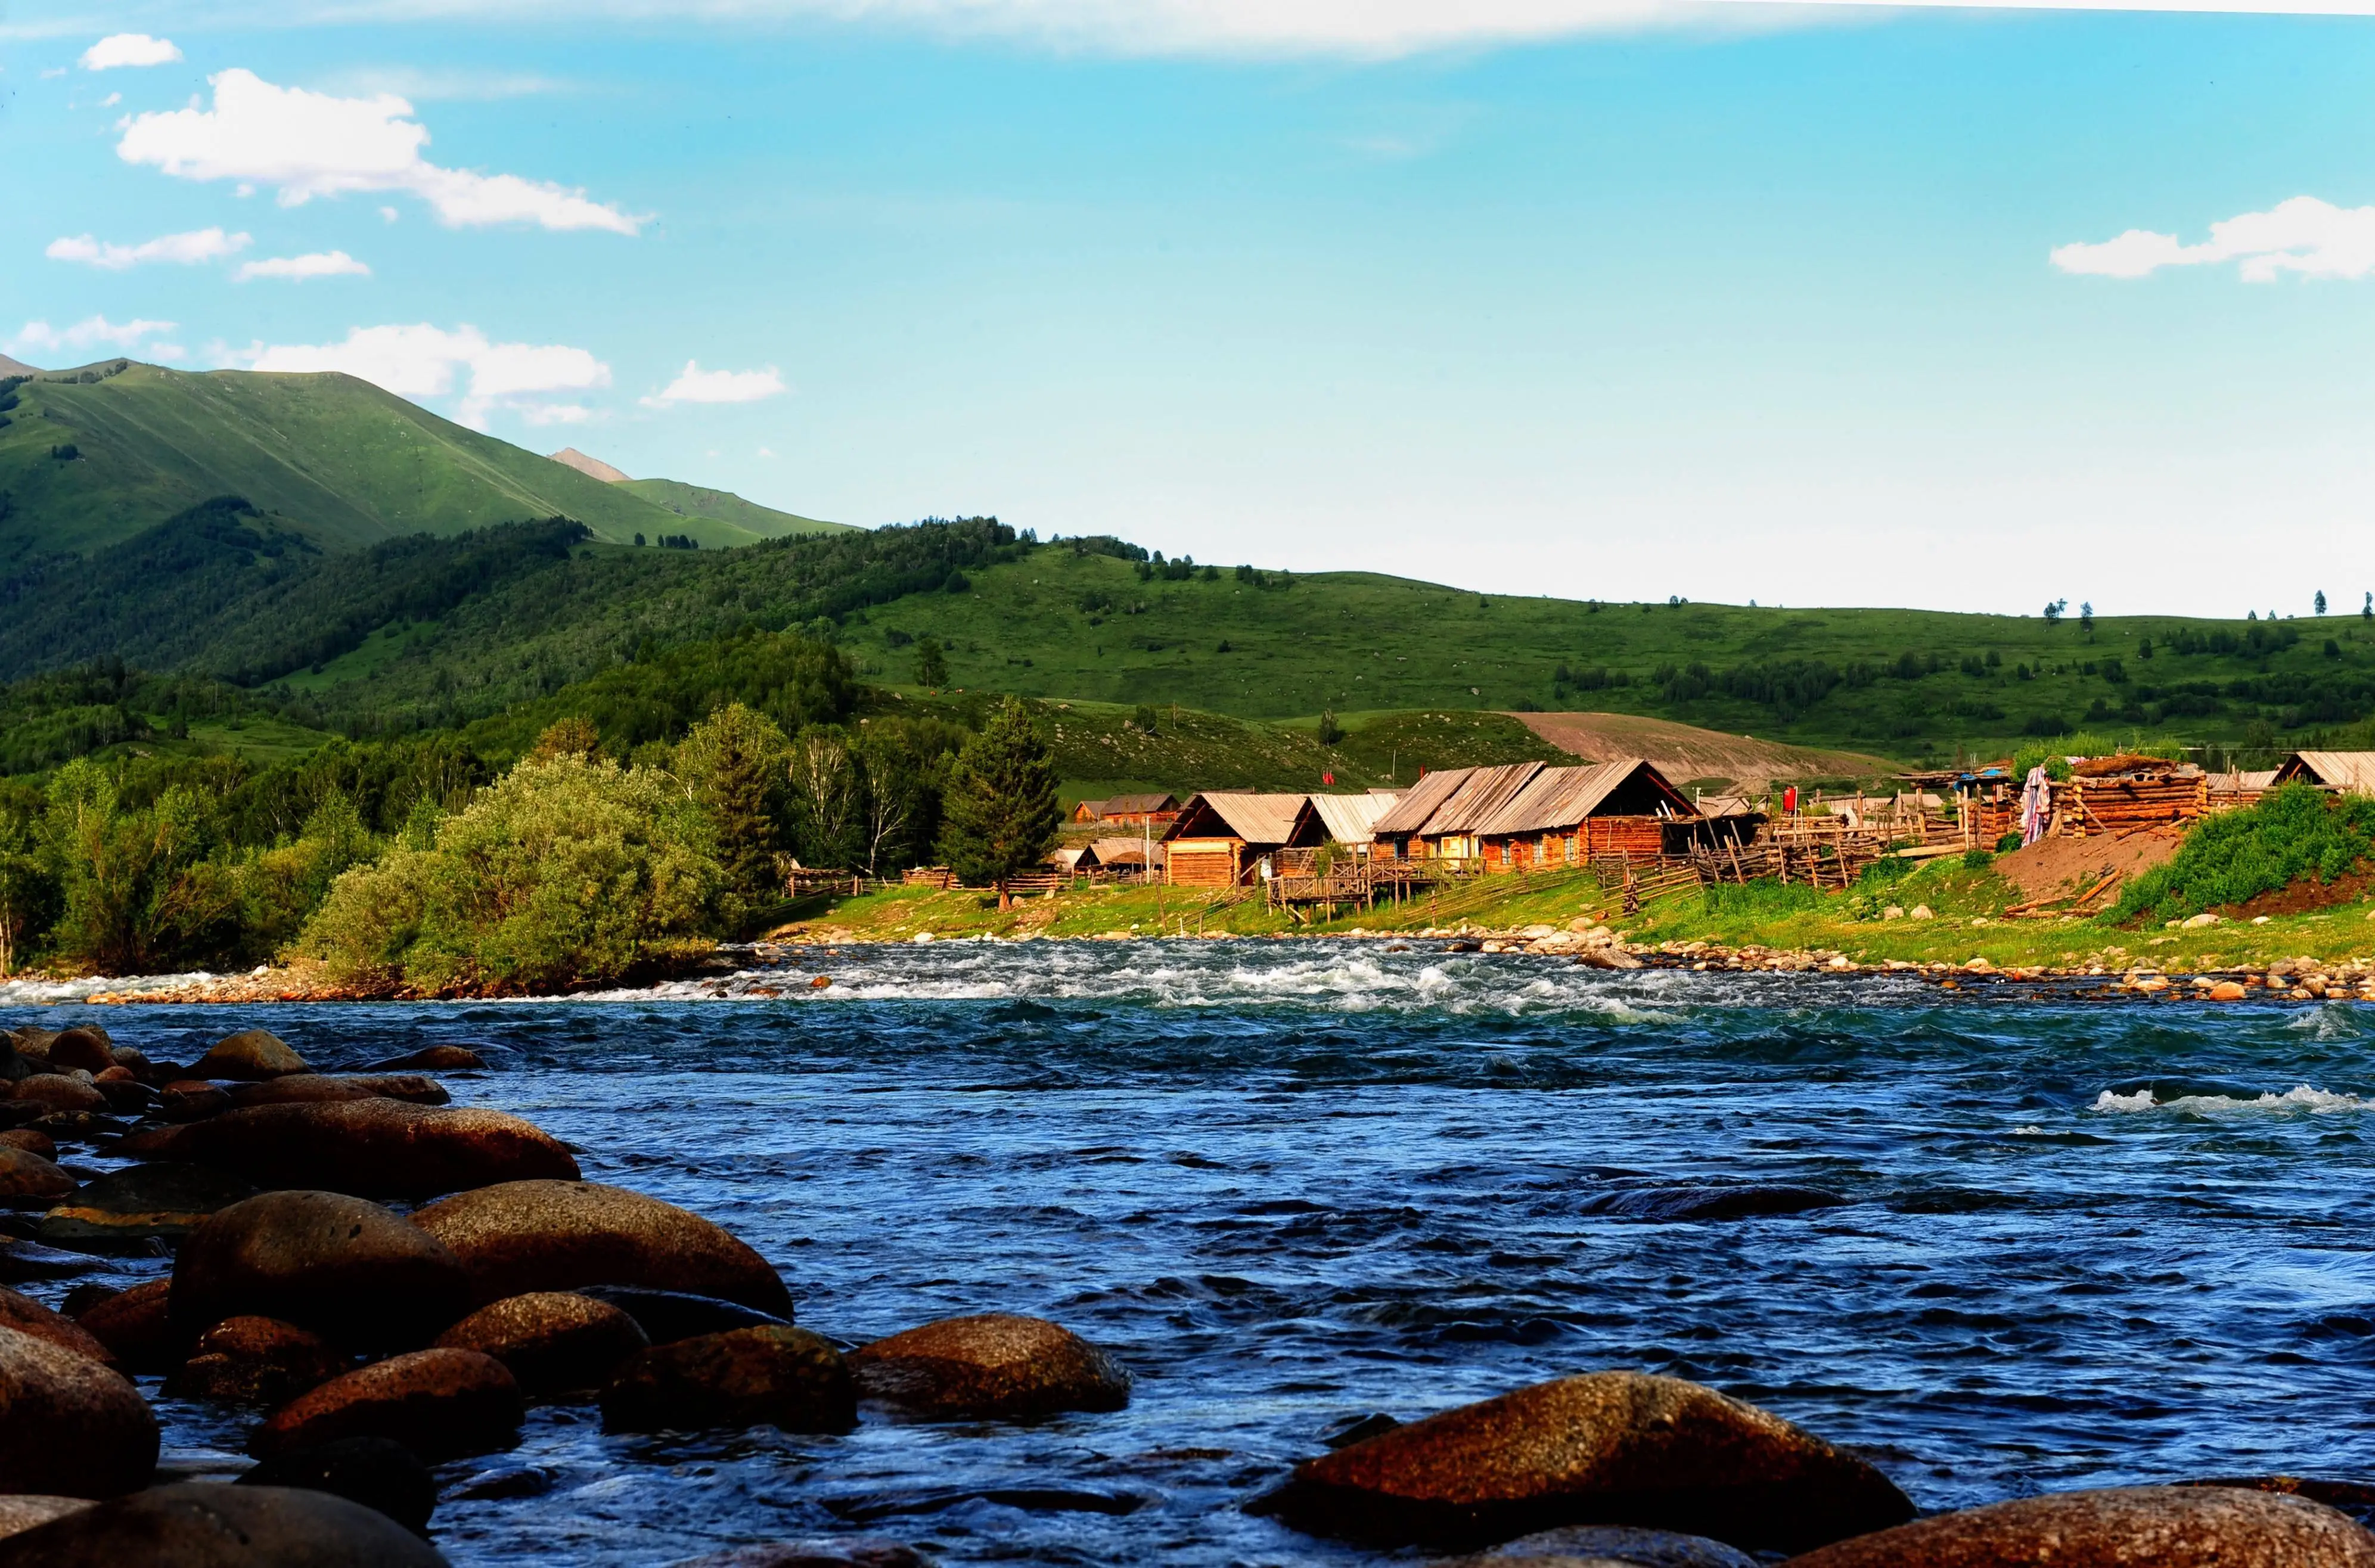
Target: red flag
<point x="1327" y="778"/>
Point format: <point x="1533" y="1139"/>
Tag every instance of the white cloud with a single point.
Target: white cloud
<point x="694" y="385"/>
<point x="110" y="100"/>
<point x="552" y="413"/>
<point x="184" y="250"/>
<point x="422" y="360"/>
<point x="388" y="213"/>
<point x="2304" y="235"/>
<point x="89" y="332"/>
<point x="129" y="49"/>
<point x="314" y="263"/>
<point x="425" y="87"/>
<point x="314" y="144"/>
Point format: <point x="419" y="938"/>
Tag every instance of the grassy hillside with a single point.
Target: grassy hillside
<point x="726" y="507"/>
<point x="329" y="456"/>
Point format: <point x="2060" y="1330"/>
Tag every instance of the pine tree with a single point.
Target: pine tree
<point x="572" y="737"/>
<point x="931" y="664"/>
<point x="1002" y="816"/>
<point x="733" y="764"/>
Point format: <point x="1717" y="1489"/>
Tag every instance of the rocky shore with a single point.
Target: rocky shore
<point x="373" y="1280"/>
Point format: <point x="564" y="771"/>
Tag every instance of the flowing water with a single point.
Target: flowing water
<point x="1291" y="1184"/>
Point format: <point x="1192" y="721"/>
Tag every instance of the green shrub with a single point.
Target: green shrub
<point x="2007" y="843"/>
<point x="1977" y="859"/>
<point x="139" y="892"/>
<point x="570" y="872"/>
<point x="2293" y="832"/>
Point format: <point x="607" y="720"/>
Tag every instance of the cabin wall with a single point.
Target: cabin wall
<point x="1637" y="836"/>
<point x="1205" y="863"/>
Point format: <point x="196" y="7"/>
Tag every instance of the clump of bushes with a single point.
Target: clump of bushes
<point x="2293" y="832"/>
<point x="572" y="871"/>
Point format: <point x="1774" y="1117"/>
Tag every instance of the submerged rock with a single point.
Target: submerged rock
<point x="552" y="1341"/>
<point x="665" y="1316"/>
<point x="210" y="1525"/>
<point x="26" y="1316"/>
<point x="440" y="1404"/>
<point x="256" y="1360"/>
<point x="69" y="1426"/>
<point x="27" y="1181"/>
<point x="2164" y="1526"/>
<point x="23" y="1262"/>
<point x="355" y="1273"/>
<point x="995" y="1366"/>
<point x="1605" y="1448"/>
<point x="786" y="1378"/>
<point x="135" y="1328"/>
<point x="556" y="1235"/>
<point x="378" y="1472"/>
<point x="250" y="1054"/>
<point x="303" y="1089"/>
<point x="124" y="1208"/>
<point x="369" y="1148"/>
<point x="191" y="1100"/>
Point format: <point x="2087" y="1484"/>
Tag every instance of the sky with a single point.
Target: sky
<point x="1963" y="308"/>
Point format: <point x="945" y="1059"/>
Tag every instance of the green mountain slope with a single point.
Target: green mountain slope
<point x="331" y="457"/>
<point x="724" y="506"/>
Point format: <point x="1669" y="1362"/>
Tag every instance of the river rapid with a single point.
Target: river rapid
<point x="1292" y="1185"/>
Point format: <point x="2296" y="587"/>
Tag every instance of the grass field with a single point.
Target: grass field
<point x="726" y="508"/>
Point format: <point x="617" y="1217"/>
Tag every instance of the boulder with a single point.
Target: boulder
<point x="20" y="1514"/>
<point x="1605" y="1448"/>
<point x="80" y="1049"/>
<point x="27" y="1181"/>
<point x="256" y="1360"/>
<point x="2165" y="1526"/>
<point x="298" y="1089"/>
<point x="1607" y="1545"/>
<point x="69" y="1426"/>
<point x="250" y="1054"/>
<point x="124" y="1209"/>
<point x="378" y="1472"/>
<point x="431" y="1058"/>
<point x="21" y="1262"/>
<point x="33" y="1046"/>
<point x="26" y="1316"/>
<point x="349" y="1270"/>
<point x="995" y="1366"/>
<point x="78" y="1126"/>
<point x="191" y="1100"/>
<point x="858" y="1551"/>
<point x="55" y="1091"/>
<point x="553" y="1341"/>
<point x="369" y="1148"/>
<point x="440" y="1404"/>
<point x="137" y="1328"/>
<point x="665" y="1316"/>
<point x="556" y="1235"/>
<point x="32" y="1141"/>
<point x="786" y="1378"/>
<point x="209" y="1524"/>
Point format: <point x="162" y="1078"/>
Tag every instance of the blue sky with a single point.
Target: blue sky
<point x="1735" y="303"/>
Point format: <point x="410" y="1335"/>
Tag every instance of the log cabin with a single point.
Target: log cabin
<point x="1219" y="837"/>
<point x="1570" y="816"/>
<point x="1129" y="810"/>
<point x="1443" y="815"/>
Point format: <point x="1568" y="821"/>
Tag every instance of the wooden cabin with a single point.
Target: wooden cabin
<point x="1352" y="819"/>
<point x="2352" y="773"/>
<point x="1075" y="860"/>
<point x="1129" y="810"/>
<point x="1444" y="815"/>
<point x="2241" y="788"/>
<point x="1571" y="815"/>
<point x="1219" y="837"/>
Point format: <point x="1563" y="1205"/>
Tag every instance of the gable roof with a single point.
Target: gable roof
<point x="1351" y="819"/>
<point x="1561" y="798"/>
<point x="1256" y="819"/>
<point x="1463" y="803"/>
<point x="2352" y="770"/>
<point x="1124" y="852"/>
<point x="1420" y="802"/>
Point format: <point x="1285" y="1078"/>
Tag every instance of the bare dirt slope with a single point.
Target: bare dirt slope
<point x="2053" y="869"/>
<point x="1684" y="753"/>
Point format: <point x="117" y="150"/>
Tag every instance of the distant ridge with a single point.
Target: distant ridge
<point x="9" y="366"/>
<point x="593" y="468"/>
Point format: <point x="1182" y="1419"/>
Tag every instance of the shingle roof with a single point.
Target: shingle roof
<point x="1561" y="798"/>
<point x="1479" y="797"/>
<point x="1420" y="802"/>
<point x="1351" y="819"/>
<point x="2352" y="770"/>
<point x="1256" y="819"/>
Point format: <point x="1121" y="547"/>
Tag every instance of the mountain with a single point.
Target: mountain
<point x="9" y="366"/>
<point x="95" y="456"/>
<point x="591" y="468"/>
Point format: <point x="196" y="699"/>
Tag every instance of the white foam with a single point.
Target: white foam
<point x="37" y="993"/>
<point x="2300" y="1097"/>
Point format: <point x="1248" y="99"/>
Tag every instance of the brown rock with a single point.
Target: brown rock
<point x="20" y="1514"/>
<point x="786" y="1378"/>
<point x="523" y="1236"/>
<point x="553" y="1341"/>
<point x="2227" y="991"/>
<point x="27" y="1181"/>
<point x="321" y="1087"/>
<point x="26" y="1316"/>
<point x="440" y="1404"/>
<point x="207" y="1525"/>
<point x="369" y="1148"/>
<point x="251" y="1054"/>
<point x="431" y="1058"/>
<point x="69" y="1427"/>
<point x="80" y="1048"/>
<point x="191" y="1100"/>
<point x="124" y="1209"/>
<point x="60" y="1092"/>
<point x="32" y="1141"/>
<point x="1606" y="1448"/>
<point x="2137" y="1526"/>
<point x="355" y="1273"/>
<point x="995" y="1366"/>
<point x="256" y="1360"/>
<point x="137" y="1328"/>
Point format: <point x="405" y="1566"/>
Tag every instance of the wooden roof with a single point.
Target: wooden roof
<point x="2352" y="770"/>
<point x="1256" y="819"/>
<point x="1419" y="802"/>
<point x="1470" y="798"/>
<point x="1136" y="805"/>
<point x="1559" y="798"/>
<point x="1125" y="851"/>
<point x="1351" y="819"/>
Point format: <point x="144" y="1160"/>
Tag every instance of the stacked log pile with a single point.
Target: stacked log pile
<point x="2112" y="795"/>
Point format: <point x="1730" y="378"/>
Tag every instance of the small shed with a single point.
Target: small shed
<point x="1128" y="856"/>
<point x="1219" y="837"/>
<point x="1075" y="860"/>
<point x="1129" y="810"/>
<point x="2353" y="772"/>
<point x="1352" y="819"/>
<point x="1568" y="816"/>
